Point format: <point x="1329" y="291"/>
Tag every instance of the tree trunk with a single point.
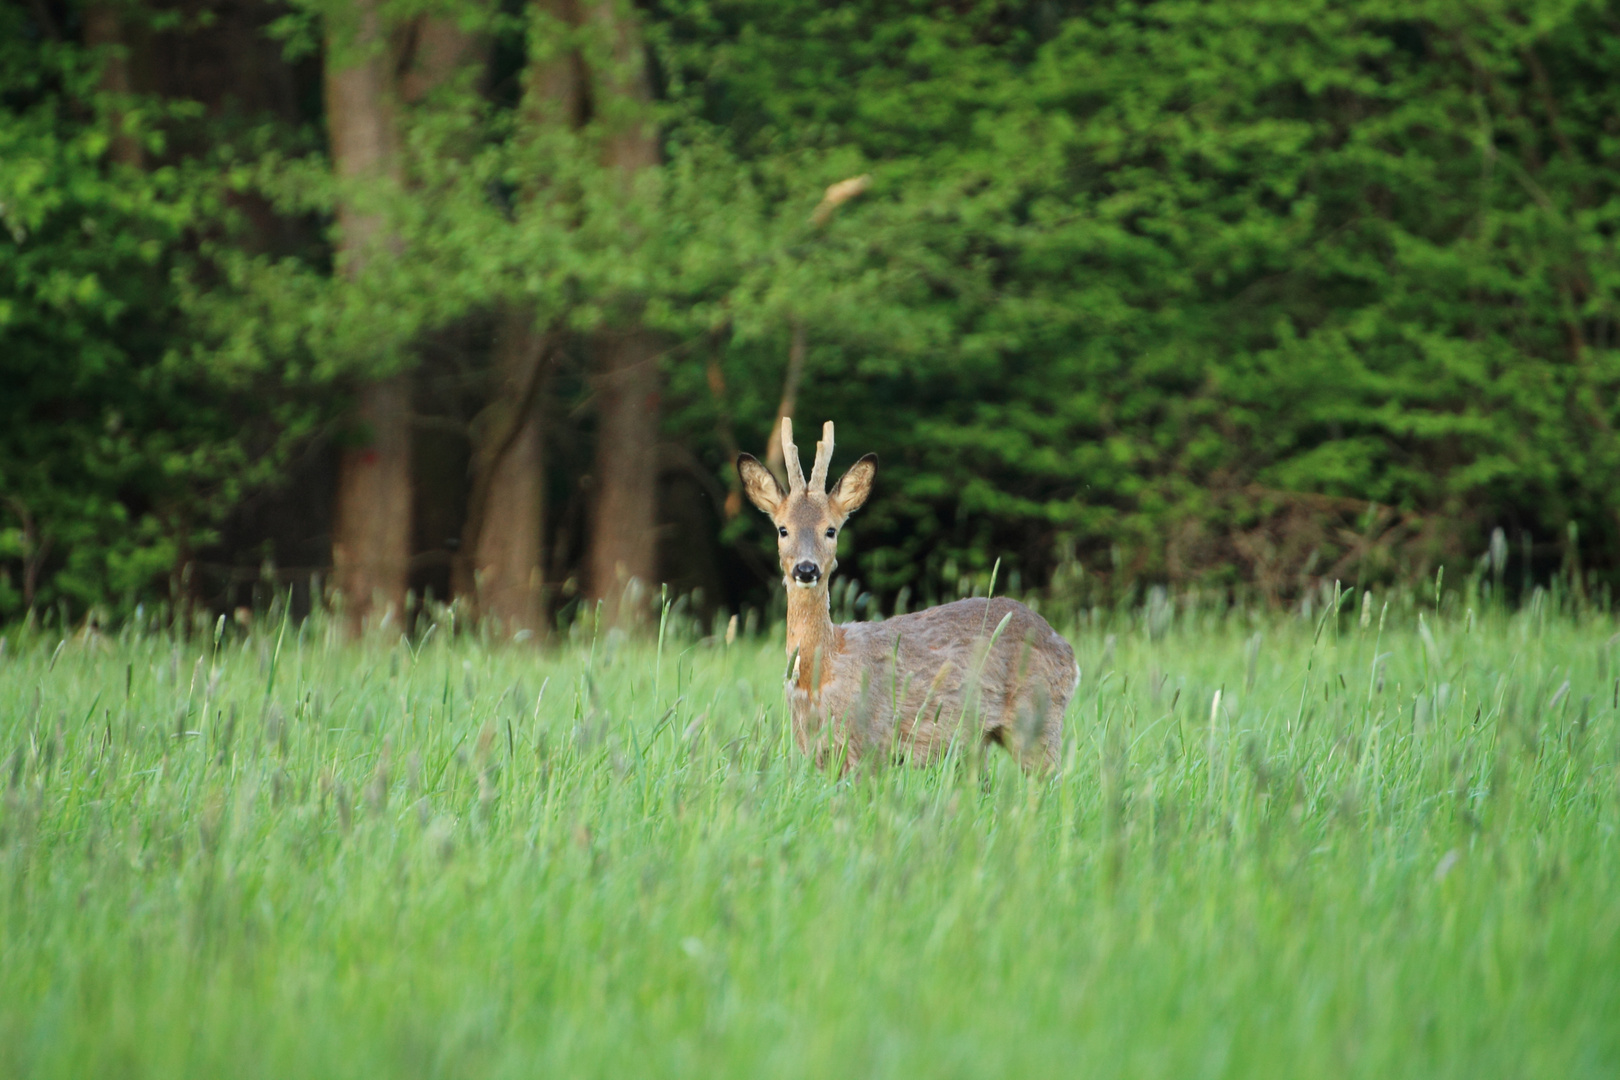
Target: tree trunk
<point x="432" y="52"/>
<point x="371" y="524"/>
<point x="104" y="30"/>
<point x="623" y="545"/>
<point x="554" y="80"/>
<point x="371" y="528"/>
<point x="622" y="92"/>
<point x="370" y="68"/>
<point x="500" y="568"/>
<point x="623" y="542"/>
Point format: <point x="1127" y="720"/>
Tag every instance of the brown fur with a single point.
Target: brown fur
<point x="912" y="686"/>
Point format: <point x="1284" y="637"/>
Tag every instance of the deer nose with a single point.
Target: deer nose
<point x="807" y="573"/>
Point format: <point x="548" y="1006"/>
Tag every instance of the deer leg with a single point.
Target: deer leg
<point x="1036" y="738"/>
<point x="1052" y="745"/>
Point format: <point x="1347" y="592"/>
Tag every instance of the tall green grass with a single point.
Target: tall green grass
<point x="1277" y="847"/>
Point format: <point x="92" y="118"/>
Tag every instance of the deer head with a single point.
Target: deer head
<point x="807" y="516"/>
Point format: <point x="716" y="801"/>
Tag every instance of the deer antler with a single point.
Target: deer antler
<point x="824" y="449"/>
<point x="790" y="457"/>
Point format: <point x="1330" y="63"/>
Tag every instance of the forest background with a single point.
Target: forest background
<point x="396" y="299"/>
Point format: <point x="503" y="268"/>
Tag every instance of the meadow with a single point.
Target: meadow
<point x="1378" y="843"/>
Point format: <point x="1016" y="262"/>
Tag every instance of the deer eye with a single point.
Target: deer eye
<point x="831" y="532"/>
<point x="781" y="530"/>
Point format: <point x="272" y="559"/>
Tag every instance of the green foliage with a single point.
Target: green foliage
<point x="120" y="447"/>
<point x="1237" y="293"/>
<point x="1160" y="263"/>
<point x="1277" y="848"/>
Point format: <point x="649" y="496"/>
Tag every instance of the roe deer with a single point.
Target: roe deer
<point x="910" y="685"/>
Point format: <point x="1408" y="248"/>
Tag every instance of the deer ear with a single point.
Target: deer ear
<point x="759" y="485"/>
<point x="854" y="486"/>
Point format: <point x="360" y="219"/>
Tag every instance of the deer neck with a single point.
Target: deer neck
<point x="810" y="632"/>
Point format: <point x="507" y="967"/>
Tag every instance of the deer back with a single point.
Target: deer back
<point x="979" y="669"/>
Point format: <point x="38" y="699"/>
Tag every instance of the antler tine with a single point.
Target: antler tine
<point x="790" y="457"/>
<point x="824" y="449"/>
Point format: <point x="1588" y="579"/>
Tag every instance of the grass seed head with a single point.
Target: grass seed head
<point x="486" y="791"/>
<point x="275" y="729"/>
<point x="440" y="840"/>
<point x="213" y="814"/>
<point x="344" y="808"/>
<point x="377" y="789"/>
<point x="696" y="725"/>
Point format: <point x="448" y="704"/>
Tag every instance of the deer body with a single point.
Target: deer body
<point x="915" y="685"/>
